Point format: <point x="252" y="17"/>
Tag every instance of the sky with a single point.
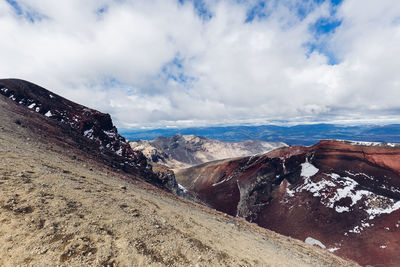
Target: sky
<point x="185" y="63"/>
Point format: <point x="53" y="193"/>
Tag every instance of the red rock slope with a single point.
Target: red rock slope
<point x="344" y="194"/>
<point x="93" y="130"/>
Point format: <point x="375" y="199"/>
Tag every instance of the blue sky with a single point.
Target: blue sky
<point x="165" y="63"/>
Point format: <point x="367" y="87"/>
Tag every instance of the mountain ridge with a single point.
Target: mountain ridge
<point x="182" y="151"/>
<point x="96" y="127"/>
<point x="307" y="134"/>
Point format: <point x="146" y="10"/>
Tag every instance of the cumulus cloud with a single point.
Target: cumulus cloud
<point x="157" y="63"/>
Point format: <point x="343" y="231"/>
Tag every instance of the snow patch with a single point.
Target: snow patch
<point x="110" y="134"/>
<point x="48" y="114"/>
<point x="31" y="106"/>
<point x="312" y="241"/>
<point x="361" y="143"/>
<point x="37" y="109"/>
<point x="181" y="187"/>
<point x="375" y="211"/>
<point x="333" y="249"/>
<point x="357" y="229"/>
<point x="308" y="170"/>
<point x="341" y="209"/>
<point x="88" y="134"/>
<point x="119" y="152"/>
<point x="220" y="182"/>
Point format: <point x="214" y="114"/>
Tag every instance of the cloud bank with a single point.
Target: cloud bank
<point x="162" y="63"/>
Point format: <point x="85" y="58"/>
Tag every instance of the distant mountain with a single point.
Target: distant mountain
<point x="345" y="195"/>
<point x="181" y="151"/>
<point x="294" y="135"/>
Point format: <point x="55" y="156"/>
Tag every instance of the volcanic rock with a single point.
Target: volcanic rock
<point x="344" y="194"/>
<point x="100" y="135"/>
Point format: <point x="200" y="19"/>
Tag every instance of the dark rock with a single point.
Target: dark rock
<point x="96" y="127"/>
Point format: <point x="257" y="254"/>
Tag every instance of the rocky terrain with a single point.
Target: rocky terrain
<point x="182" y="151"/>
<point x="93" y="130"/>
<point x="342" y="195"/>
<point x="66" y="201"/>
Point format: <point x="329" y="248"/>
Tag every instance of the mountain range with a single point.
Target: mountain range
<point x="292" y="135"/>
<point x="182" y="151"/>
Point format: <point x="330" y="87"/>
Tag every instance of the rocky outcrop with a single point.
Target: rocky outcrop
<point x="95" y="126"/>
<point x="343" y="194"/>
<point x="182" y="151"/>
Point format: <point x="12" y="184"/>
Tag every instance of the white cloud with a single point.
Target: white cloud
<point x="158" y="63"/>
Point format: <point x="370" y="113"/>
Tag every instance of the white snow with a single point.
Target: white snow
<point x="383" y="246"/>
<point x="37" y="109"/>
<point x="335" y="188"/>
<point x="348" y="190"/>
<point x="88" y="133"/>
<point x="51" y="96"/>
<point x="312" y="241"/>
<point x="361" y="143"/>
<point x="317" y="187"/>
<point x="181" y="187"/>
<point x="360" y="173"/>
<point x="32" y="105"/>
<point x="4" y="89"/>
<point x="220" y="182"/>
<point x="333" y="249"/>
<point x="357" y="229"/>
<point x="48" y="114"/>
<point x="119" y="152"/>
<point x="341" y="209"/>
<point x="365" y="224"/>
<point x="290" y="192"/>
<point x="110" y="134"/>
<point x="308" y="170"/>
<point x="374" y="211"/>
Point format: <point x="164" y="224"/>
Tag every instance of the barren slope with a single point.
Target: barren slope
<point x="60" y="205"/>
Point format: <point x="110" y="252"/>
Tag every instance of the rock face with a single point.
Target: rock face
<point x="345" y="195"/>
<point x="96" y="128"/>
<point x="182" y="151"/>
